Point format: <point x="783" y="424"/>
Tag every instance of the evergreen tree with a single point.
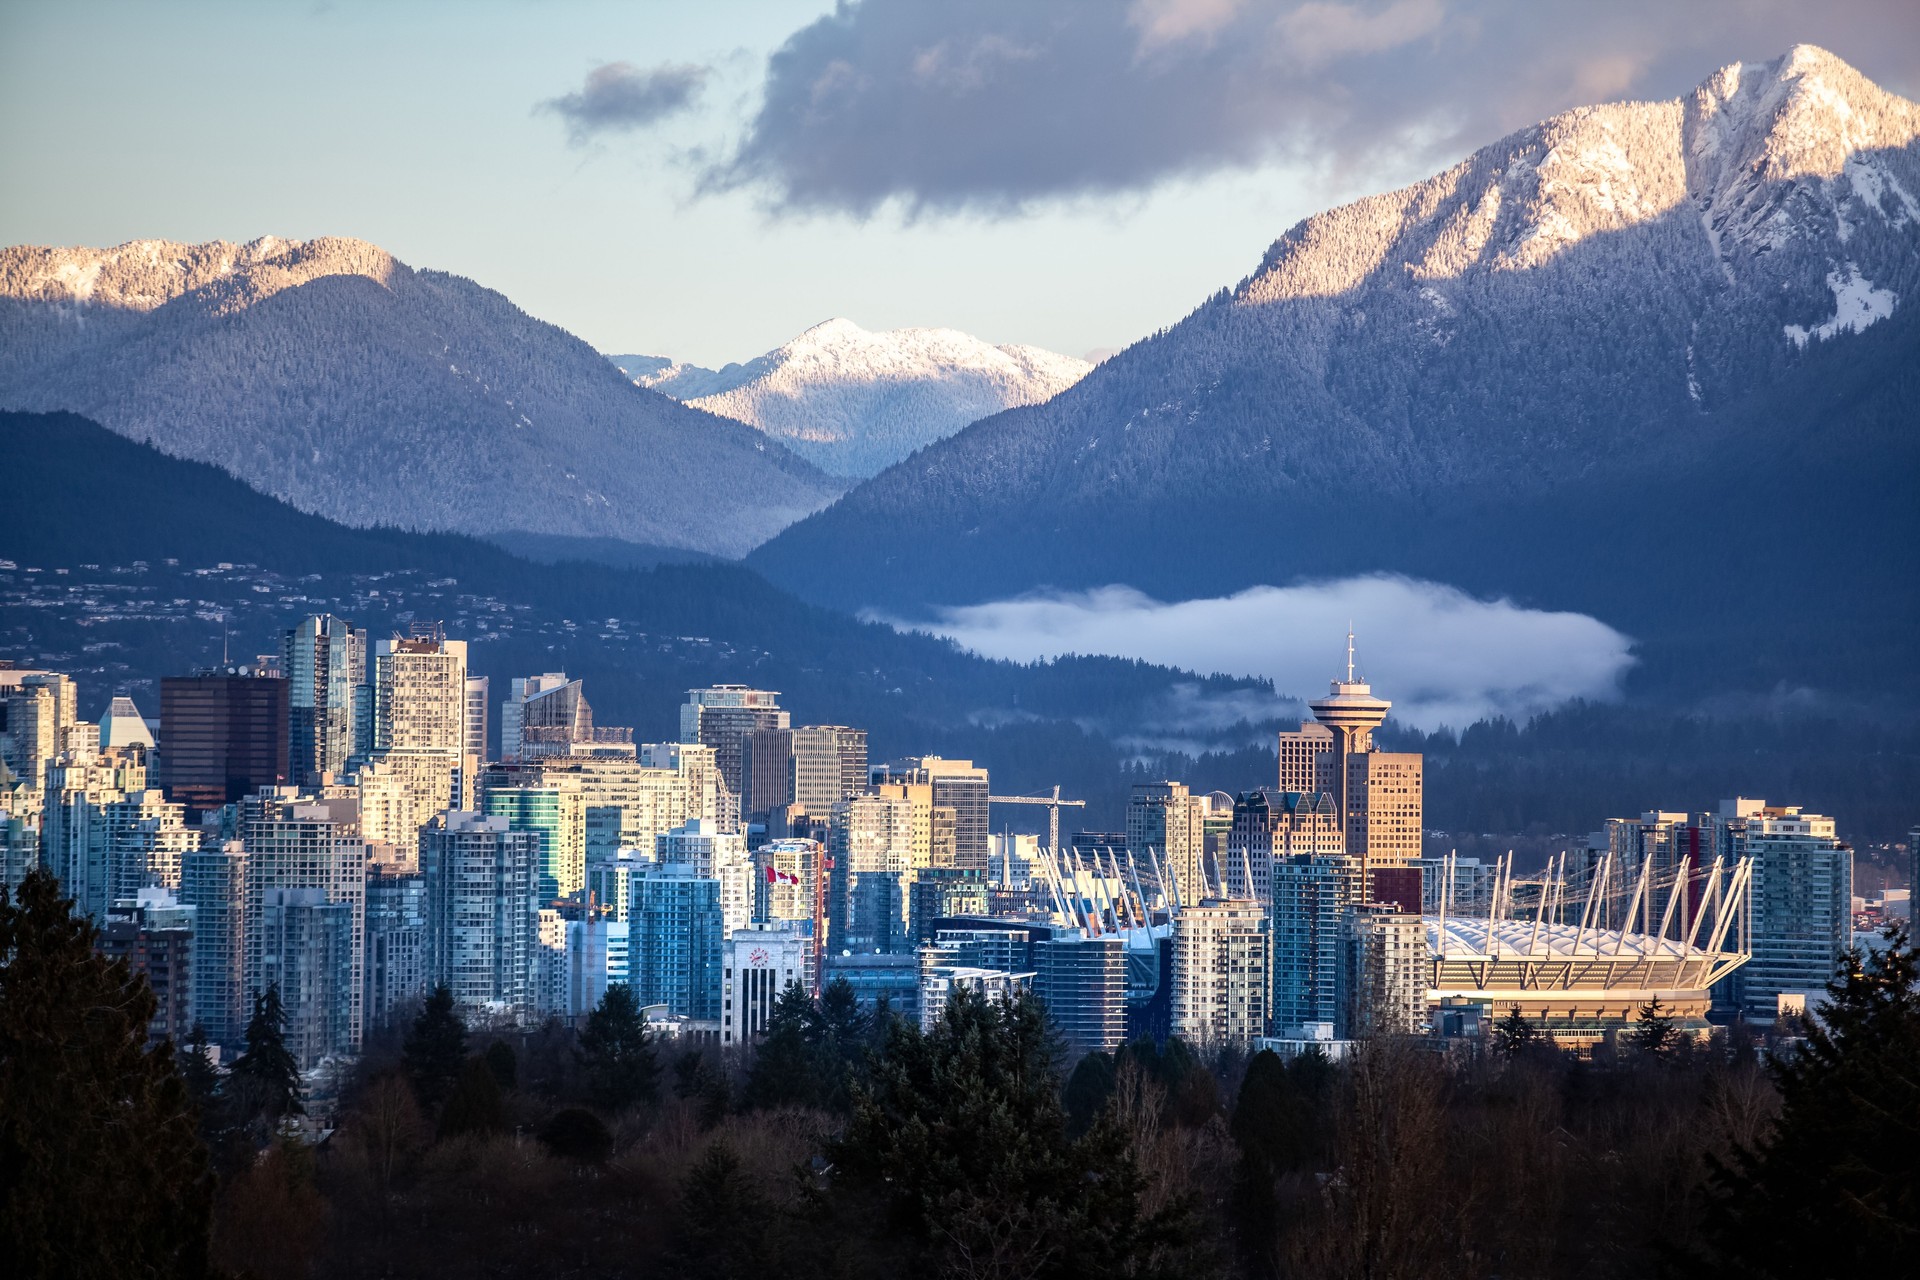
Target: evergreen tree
<point x="617" y="1052"/>
<point x="958" y="1147"/>
<point x="101" y="1173"/>
<point x="435" y="1051"/>
<point x="1654" y="1034"/>
<point x="505" y="1065"/>
<point x="786" y="1070"/>
<point x="475" y="1105"/>
<point x="264" y="1085"/>
<point x="1513" y="1035"/>
<point x="1835" y="1189"/>
<point x="202" y="1081"/>
<point x="726" y="1224"/>
<point x="1088" y="1088"/>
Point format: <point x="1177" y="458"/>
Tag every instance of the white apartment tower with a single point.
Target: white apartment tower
<point x="296" y="840"/>
<point x="1222" y="966"/>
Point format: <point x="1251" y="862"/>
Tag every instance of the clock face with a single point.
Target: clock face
<point x="757" y="958"/>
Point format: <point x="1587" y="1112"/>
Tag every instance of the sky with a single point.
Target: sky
<point x="705" y="180"/>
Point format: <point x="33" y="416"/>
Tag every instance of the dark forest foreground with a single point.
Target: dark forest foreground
<point x="852" y="1146"/>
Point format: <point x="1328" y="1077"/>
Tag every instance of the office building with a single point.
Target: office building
<point x="721" y="717"/>
<point x="1222" y="972"/>
<point x="305" y="946"/>
<point x="298" y="841"/>
<point x="1378" y="794"/>
<point x="1306" y="759"/>
<point x="1310" y="894"/>
<point x="589" y="970"/>
<point x="1802" y="897"/>
<point x="106" y="834"/>
<point x="700" y="846"/>
<point x="153" y="932"/>
<point x="123" y="727"/>
<point x="806" y="771"/>
<point x="1269" y="826"/>
<point x="556" y="812"/>
<point x="324" y="663"/>
<point x="939" y="982"/>
<point x="223" y="736"/>
<point x="872" y="847"/>
<point x="629" y="802"/>
<point x="213" y="881"/>
<point x="1083" y="983"/>
<point x="705" y="791"/>
<point x="787" y="880"/>
<point x="958" y="785"/>
<point x="1166" y="828"/>
<point x="757" y="964"/>
<point x="942" y="892"/>
<point x="419" y="718"/>
<point x="551" y="964"/>
<point x="675" y="933"/>
<point x="482" y="887"/>
<point x="476" y="743"/>
<point x="1385" y="973"/>
<point x="396" y="950"/>
<point x="548" y="716"/>
<point x="39" y="711"/>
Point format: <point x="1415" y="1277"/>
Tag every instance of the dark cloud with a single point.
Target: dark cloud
<point x="619" y="96"/>
<point x="994" y="104"/>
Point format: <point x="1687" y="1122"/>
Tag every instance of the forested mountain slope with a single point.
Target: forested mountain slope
<point x="1654" y="361"/>
<point x="330" y="374"/>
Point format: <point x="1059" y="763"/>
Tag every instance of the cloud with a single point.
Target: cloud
<point x="994" y="105"/>
<point x="619" y="96"/>
<point x="1440" y="655"/>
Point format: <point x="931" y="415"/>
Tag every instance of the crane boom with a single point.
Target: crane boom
<point x="1054" y="804"/>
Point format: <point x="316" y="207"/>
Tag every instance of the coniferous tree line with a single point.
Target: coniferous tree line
<point x="848" y="1143"/>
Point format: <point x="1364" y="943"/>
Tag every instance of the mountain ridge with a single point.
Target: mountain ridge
<point x="853" y="400"/>
<point x="1524" y="375"/>
<point x="329" y="373"/>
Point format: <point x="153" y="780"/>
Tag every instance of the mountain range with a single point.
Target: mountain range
<point x="328" y="373"/>
<point x="854" y="402"/>
<point x="1654" y="361"/>
<point x="120" y="565"/>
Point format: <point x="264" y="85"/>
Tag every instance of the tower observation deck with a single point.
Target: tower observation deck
<point x="1352" y="712"/>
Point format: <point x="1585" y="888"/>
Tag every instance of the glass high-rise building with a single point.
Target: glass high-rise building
<point x="324" y="663"/>
<point x="1802" y="904"/>
<point x="722" y="717"/>
<point x="1310" y="894"/>
<point x="223" y="736"/>
<point x="675" y="933"/>
<point x="483" y="927"/>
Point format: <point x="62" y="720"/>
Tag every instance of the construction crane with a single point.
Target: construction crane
<point x="1053" y="803"/>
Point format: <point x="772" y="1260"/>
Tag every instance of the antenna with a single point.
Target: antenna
<point x="224" y="660"/>
<point x="1349" y="651"/>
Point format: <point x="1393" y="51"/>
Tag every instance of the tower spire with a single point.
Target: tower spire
<point x="1349" y="652"/>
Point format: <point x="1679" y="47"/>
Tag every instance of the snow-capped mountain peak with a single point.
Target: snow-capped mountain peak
<point x="854" y="401"/>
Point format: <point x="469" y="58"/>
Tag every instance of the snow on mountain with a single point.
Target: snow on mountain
<point x="330" y="374"/>
<point x="1624" y="296"/>
<point x="854" y="402"/>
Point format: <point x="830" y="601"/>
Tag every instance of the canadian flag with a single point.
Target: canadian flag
<point x="776" y="876"/>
